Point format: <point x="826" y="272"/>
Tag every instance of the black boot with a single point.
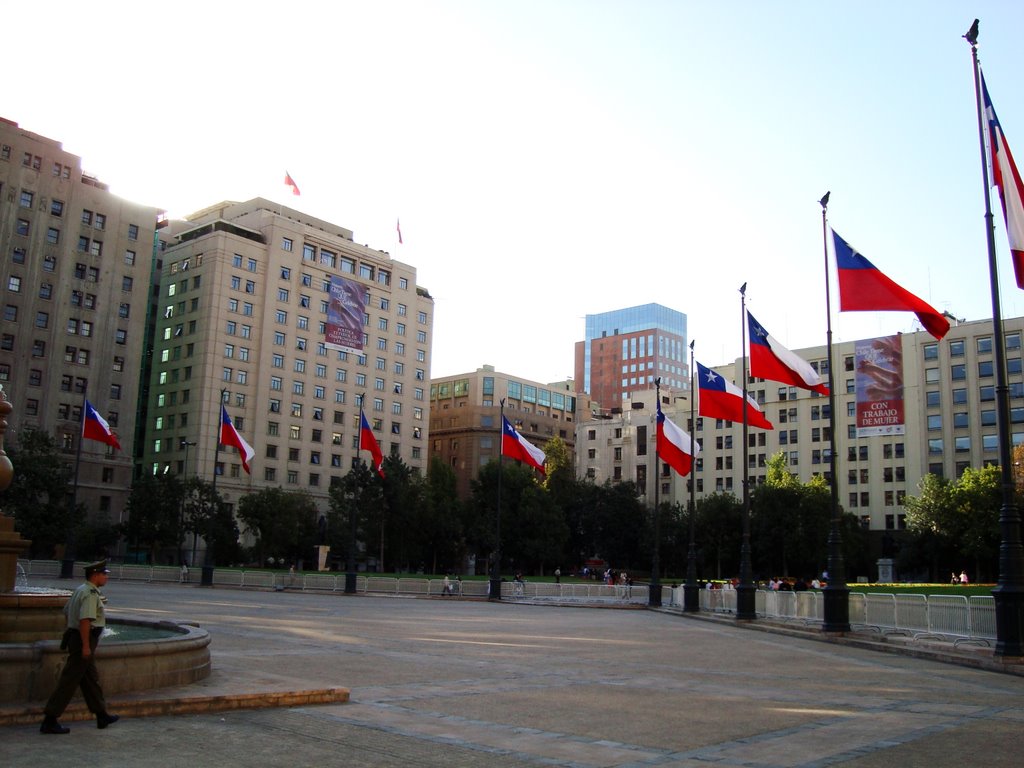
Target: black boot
<point x="51" y="725"/>
<point x="104" y="719"/>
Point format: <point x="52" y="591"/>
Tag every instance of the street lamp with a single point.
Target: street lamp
<point x="181" y="513"/>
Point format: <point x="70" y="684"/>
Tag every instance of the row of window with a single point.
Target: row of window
<point x="89" y="218"/>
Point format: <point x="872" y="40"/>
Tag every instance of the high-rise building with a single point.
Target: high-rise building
<point x="244" y="308"/>
<point x="625" y="350"/>
<point x="76" y="269"/>
<point x="465" y="417"/>
<point x="946" y="396"/>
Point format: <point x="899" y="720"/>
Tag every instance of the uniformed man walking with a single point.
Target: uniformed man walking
<point x="85" y="625"/>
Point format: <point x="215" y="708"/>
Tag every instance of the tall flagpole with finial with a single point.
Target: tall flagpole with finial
<point x="745" y="590"/>
<point x="836" y="594"/>
<point x="654" y="588"/>
<point x="1008" y="595"/>
<point x="691" y="592"/>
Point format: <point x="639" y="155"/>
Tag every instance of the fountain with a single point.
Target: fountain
<point x="32" y="622"/>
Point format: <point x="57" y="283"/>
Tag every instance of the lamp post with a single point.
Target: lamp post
<point x="181" y="512"/>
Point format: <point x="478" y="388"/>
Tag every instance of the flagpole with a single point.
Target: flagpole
<point x="494" y="592"/>
<point x="654" y="588"/>
<point x="67" y="564"/>
<point x="207" y="574"/>
<point x="691" y="592"/>
<point x="1008" y="594"/>
<point x="836" y="594"/>
<point x="350" y="570"/>
<point x="745" y="590"/>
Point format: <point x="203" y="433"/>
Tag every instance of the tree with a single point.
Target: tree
<point x="442" y="535"/>
<point x="955" y="521"/>
<point x="396" y="520"/>
<point x="38" y="496"/>
<point x="154" y="515"/>
<point x="283" y="523"/>
<point x="719" y="533"/>
<point x="207" y="515"/>
<point x="518" y="512"/>
<point x="350" y="499"/>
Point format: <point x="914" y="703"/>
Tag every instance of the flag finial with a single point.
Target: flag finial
<point x="824" y="199"/>
<point x="972" y="34"/>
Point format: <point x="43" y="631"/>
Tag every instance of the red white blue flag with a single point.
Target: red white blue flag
<point x="771" y="360"/>
<point x="517" y="447"/>
<point x="95" y="427"/>
<point x="1011" y="192"/>
<point x="291" y="183"/>
<point x="675" y="447"/>
<point x="230" y="436"/>
<point x="721" y="399"/>
<point x="367" y="442"/>
<point x="863" y="287"/>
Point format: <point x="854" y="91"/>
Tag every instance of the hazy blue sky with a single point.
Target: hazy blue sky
<point x="557" y="158"/>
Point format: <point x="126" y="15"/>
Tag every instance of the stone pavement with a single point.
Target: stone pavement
<point x="449" y="682"/>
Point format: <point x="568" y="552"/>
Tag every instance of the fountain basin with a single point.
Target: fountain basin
<point x="175" y="654"/>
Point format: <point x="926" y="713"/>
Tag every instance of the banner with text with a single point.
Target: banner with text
<point x="345" y="310"/>
<point x="879" y="383"/>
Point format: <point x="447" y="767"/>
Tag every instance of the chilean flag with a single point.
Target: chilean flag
<point x="367" y="442"/>
<point x="95" y="427"/>
<point x="291" y="183"/>
<point x="1011" y="191"/>
<point x="863" y="287"/>
<point x="721" y="399"/>
<point x="517" y="447"/>
<point x="674" y="446"/>
<point x="771" y="360"/>
<point x="230" y="436"/>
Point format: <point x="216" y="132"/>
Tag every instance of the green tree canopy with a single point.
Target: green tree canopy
<point x="38" y="496"/>
<point x="284" y="524"/>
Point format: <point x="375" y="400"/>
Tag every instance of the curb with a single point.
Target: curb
<point x="188" y="705"/>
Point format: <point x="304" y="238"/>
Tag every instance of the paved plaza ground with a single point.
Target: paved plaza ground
<point x="449" y="682"/>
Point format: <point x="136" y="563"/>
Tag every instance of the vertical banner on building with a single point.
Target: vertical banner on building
<point x="345" y="310"/>
<point x="879" y="382"/>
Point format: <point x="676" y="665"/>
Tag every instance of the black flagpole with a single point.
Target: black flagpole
<point x="1008" y="594"/>
<point x="67" y="565"/>
<point x="206" y="578"/>
<point x="654" y="589"/>
<point x="691" y="592"/>
<point x="745" y="590"/>
<point x="836" y="594"/>
<point x="494" y="593"/>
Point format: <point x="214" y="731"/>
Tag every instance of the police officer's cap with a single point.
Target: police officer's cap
<point x="100" y="566"/>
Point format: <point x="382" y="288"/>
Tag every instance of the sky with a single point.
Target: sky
<point x="550" y="159"/>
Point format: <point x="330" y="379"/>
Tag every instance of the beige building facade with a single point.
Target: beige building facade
<point x="949" y="424"/>
<point x="465" y="417"/>
<point x="241" y="321"/>
<point x="76" y="270"/>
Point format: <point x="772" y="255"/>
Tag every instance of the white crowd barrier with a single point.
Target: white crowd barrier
<point x="956" y="618"/>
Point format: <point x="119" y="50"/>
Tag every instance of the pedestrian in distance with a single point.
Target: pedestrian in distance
<point x="85" y="623"/>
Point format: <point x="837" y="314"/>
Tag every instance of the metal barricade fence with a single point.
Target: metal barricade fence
<point x="957" y="618"/>
<point x="912" y="612"/>
<point x="880" y="612"/>
<point x="949" y="615"/>
<point x="983" y="616"/>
